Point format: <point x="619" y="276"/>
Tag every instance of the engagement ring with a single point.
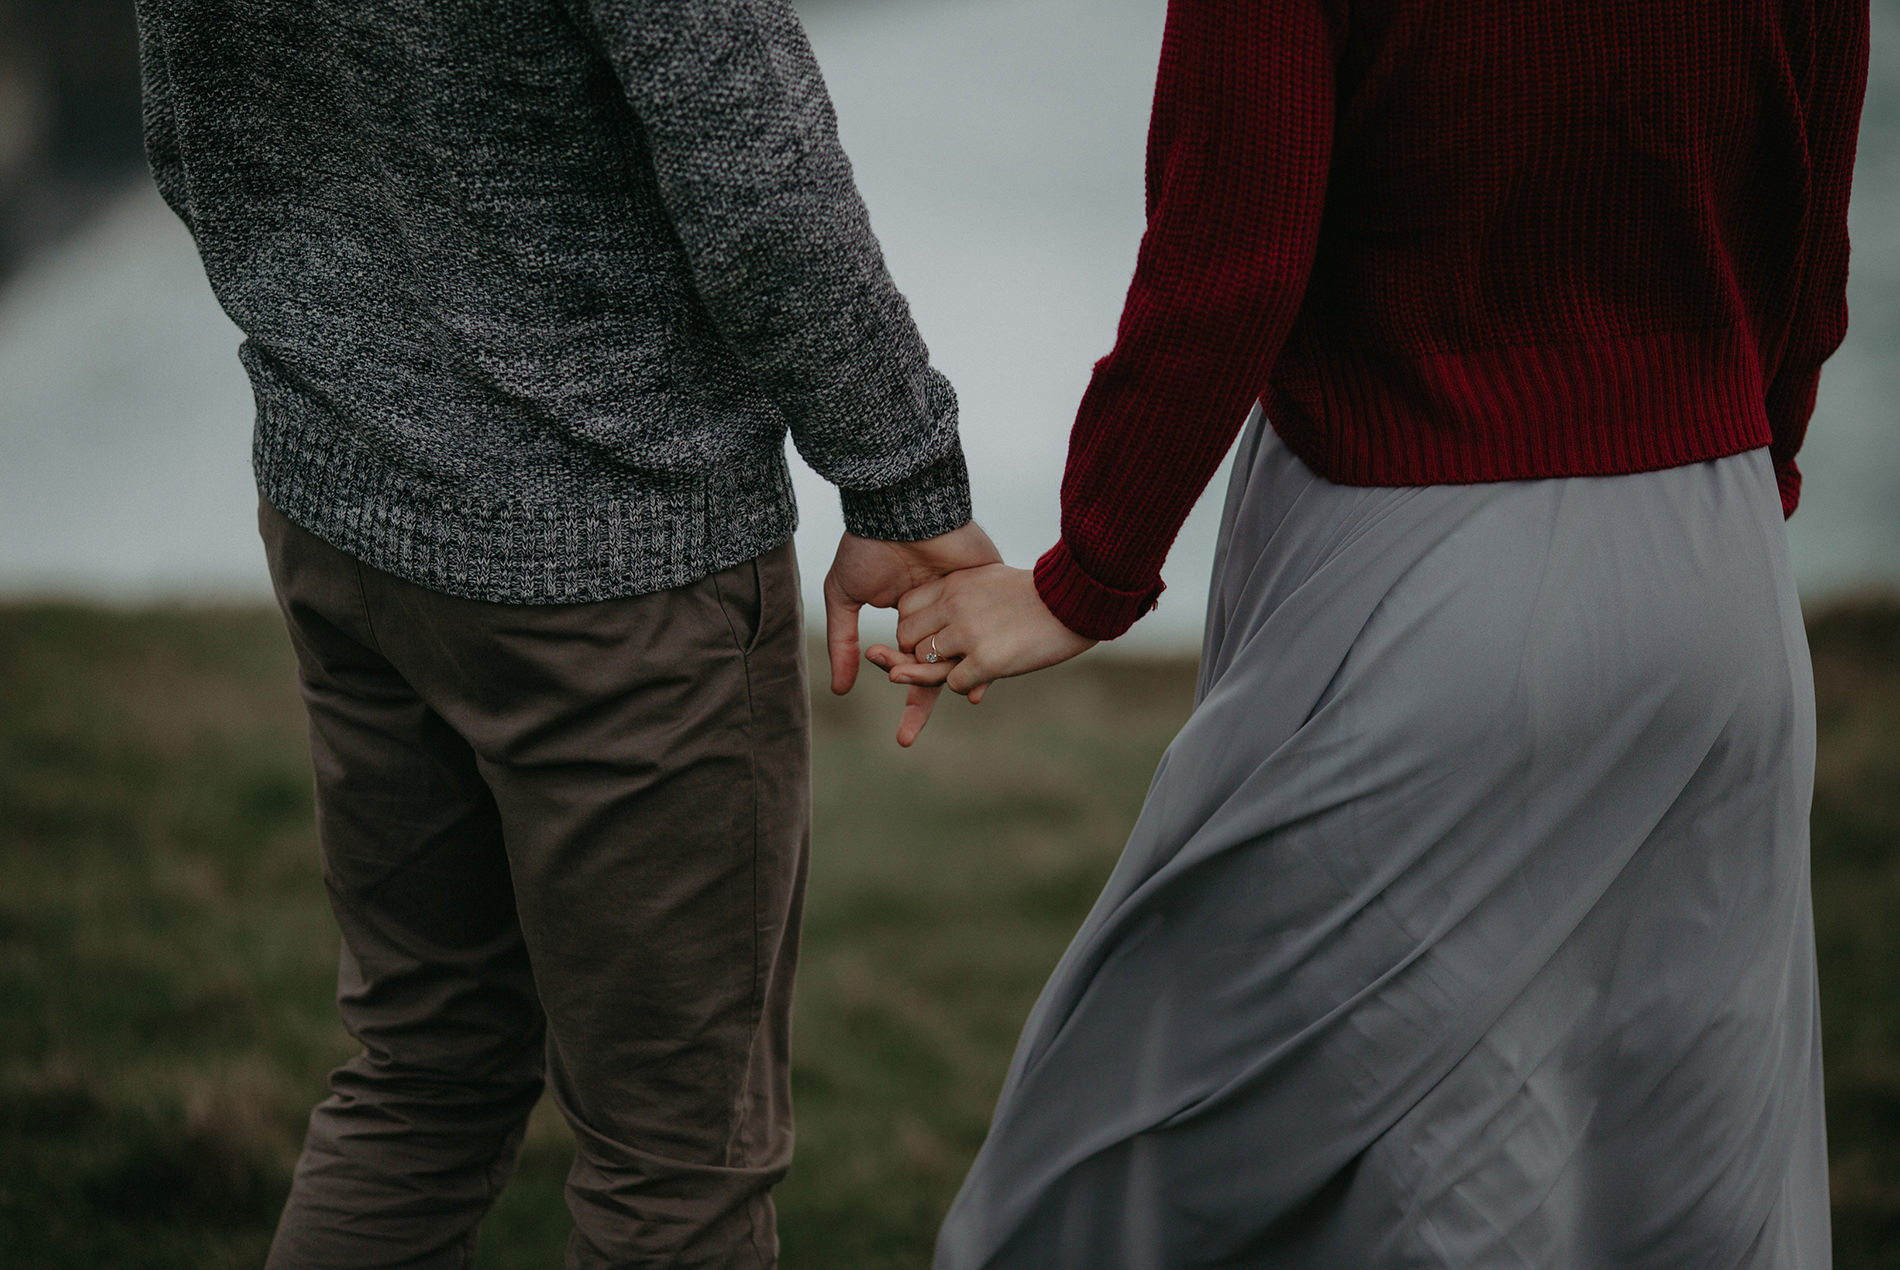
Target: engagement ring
<point x="931" y="656"/>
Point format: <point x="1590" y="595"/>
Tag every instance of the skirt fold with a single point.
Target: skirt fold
<point x="1467" y="922"/>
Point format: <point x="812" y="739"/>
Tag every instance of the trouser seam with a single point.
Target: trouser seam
<point x="756" y="1013"/>
<point x="736" y="1153"/>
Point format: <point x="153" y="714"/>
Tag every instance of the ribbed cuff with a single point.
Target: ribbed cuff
<point x="1084" y="605"/>
<point x="932" y="500"/>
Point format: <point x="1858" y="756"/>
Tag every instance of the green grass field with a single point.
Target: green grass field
<point x="166" y="956"/>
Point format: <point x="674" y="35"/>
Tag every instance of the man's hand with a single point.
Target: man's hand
<point x="875" y="572"/>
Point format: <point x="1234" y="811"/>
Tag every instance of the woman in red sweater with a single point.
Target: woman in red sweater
<point x="1467" y="922"/>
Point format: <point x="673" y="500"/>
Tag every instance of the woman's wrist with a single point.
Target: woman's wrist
<point x="1083" y="603"/>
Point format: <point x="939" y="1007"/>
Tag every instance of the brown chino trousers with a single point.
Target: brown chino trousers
<point x="561" y="841"/>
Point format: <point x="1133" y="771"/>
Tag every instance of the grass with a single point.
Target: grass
<point x="1857" y="919"/>
<point x="166" y="957"/>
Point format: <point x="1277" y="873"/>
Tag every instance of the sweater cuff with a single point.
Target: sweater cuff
<point x="1084" y="605"/>
<point x="932" y="500"/>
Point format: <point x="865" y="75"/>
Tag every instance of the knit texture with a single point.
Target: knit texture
<point x="1467" y="243"/>
<point x="532" y="290"/>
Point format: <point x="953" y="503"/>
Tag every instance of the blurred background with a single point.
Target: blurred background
<point x="165" y="956"/>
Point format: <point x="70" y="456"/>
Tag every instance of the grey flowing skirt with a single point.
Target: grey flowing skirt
<point x="1467" y="923"/>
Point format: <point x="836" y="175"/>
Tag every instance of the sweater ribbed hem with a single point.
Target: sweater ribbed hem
<point x="1085" y="605"/>
<point x="607" y="534"/>
<point x="1601" y="408"/>
<point x="933" y="500"/>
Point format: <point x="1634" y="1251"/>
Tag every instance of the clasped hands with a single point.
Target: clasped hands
<point x="954" y="597"/>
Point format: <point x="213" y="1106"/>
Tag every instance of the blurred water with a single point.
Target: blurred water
<point x="999" y="145"/>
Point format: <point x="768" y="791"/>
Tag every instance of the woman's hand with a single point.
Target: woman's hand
<point x="984" y="624"/>
<point x="872" y="571"/>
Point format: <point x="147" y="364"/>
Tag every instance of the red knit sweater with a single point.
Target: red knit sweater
<point x="1474" y="242"/>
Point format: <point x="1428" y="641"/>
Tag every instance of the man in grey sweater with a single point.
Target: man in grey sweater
<point x="533" y="291"/>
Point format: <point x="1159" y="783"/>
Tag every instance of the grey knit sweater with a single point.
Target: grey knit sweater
<point x="533" y="289"/>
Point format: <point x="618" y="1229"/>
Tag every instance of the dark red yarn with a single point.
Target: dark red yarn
<point x="1486" y="241"/>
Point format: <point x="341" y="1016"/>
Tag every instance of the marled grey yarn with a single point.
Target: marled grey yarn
<point x="533" y="289"/>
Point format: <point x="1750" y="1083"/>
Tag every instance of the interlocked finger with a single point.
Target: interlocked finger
<point x="919" y="624"/>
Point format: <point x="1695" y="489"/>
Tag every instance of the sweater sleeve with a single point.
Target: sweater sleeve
<point x="160" y="120"/>
<point x="1819" y="322"/>
<point x="744" y="143"/>
<point x="1238" y="151"/>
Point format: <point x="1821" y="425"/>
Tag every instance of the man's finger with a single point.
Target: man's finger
<point x="918" y="703"/>
<point x="928" y="674"/>
<point x="888" y="659"/>
<point x="841" y="637"/>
